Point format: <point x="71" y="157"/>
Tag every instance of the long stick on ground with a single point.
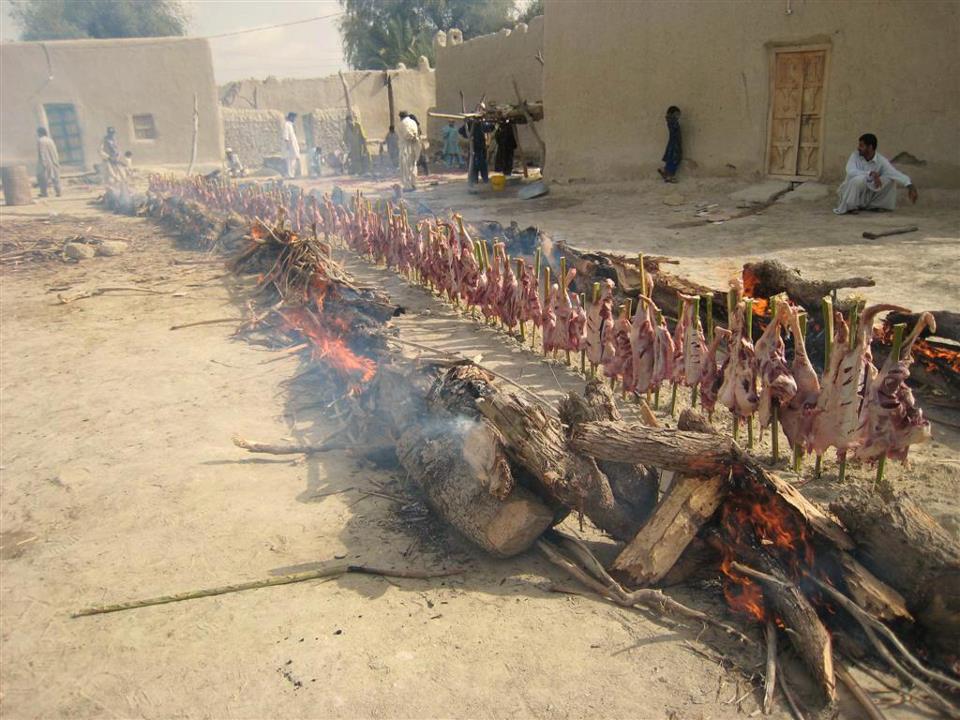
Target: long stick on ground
<point x="770" y="681"/>
<point x="331" y="571"/>
<point x="859" y="694"/>
<point x="217" y="321"/>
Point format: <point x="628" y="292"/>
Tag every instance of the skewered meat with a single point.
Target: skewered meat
<point x="663" y="352"/>
<point x="694" y="343"/>
<point x="549" y="319"/>
<point x="510" y="301"/>
<point x="641" y="342"/>
<point x="620" y="361"/>
<point x="738" y="391"/>
<point x="679" y="334"/>
<point x="778" y="385"/>
<point x="578" y="324"/>
<point x="562" y="335"/>
<point x="599" y="316"/>
<point x="711" y="376"/>
<point x="890" y="421"/>
<point x="530" y="307"/>
<point x="798" y="414"/>
<point x="838" y="407"/>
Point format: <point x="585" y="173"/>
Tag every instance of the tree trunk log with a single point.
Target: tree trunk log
<point x="771" y="277"/>
<point x="907" y="548"/>
<point x="948" y="323"/>
<point x="537" y="442"/>
<point x="458" y="462"/>
<point x="633" y="485"/>
<point x="687" y="506"/>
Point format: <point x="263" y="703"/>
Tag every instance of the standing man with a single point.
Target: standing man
<point x="673" y="153"/>
<point x="476" y="130"/>
<point x="393" y="146"/>
<point x="421" y="155"/>
<point x="871" y="182"/>
<point x="451" y="146"/>
<point x="409" y="151"/>
<point x="291" y="146"/>
<point x="113" y="174"/>
<point x="506" y="146"/>
<point x="48" y="163"/>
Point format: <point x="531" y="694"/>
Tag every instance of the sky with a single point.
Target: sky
<point x="309" y="49"/>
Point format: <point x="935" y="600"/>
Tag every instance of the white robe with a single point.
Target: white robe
<point x="409" y="151"/>
<point x="291" y="149"/>
<point x="858" y="192"/>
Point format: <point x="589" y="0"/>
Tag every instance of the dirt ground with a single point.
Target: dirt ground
<point x="119" y="481"/>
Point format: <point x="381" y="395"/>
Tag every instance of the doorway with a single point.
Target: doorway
<point x="65" y="131"/>
<point x="798" y="95"/>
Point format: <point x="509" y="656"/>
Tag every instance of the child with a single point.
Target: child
<point x="674" y="152"/>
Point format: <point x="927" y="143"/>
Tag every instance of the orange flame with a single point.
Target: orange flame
<point x="760" y="519"/>
<point x="933" y="357"/>
<point x="751" y="284"/>
<point x="325" y="335"/>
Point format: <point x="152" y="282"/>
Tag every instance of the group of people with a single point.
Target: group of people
<point x="870" y="182"/>
<point x="115" y="168"/>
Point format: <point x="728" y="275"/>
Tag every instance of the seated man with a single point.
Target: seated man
<point x="871" y="182"/>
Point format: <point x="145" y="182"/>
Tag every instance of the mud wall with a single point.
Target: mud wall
<point x="413" y="90"/>
<point x="613" y="67"/>
<point x="108" y="82"/>
<point x="254" y="134"/>
<point x="486" y="66"/>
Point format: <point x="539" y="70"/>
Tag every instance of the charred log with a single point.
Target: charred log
<point x="771" y="277"/>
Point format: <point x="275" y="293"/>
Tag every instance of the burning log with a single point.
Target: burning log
<point x="771" y="277"/>
<point x="807" y="633"/>
<point x="948" y="323"/>
<point x="907" y="548"/>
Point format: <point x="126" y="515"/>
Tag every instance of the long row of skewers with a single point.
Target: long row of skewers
<point x="865" y="412"/>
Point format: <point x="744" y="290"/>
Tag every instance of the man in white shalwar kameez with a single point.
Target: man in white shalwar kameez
<point x="871" y="182"/>
<point x="291" y="146"/>
<point x="409" y="151"/>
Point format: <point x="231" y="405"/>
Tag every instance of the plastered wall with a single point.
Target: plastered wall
<point x="613" y="67"/>
<point x="487" y="65"/>
<point x="108" y="81"/>
<point x="413" y="90"/>
<point x="253" y="134"/>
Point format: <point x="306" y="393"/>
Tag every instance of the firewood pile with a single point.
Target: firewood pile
<point x="503" y="468"/>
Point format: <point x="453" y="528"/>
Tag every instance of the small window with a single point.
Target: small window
<point x="144" y="127"/>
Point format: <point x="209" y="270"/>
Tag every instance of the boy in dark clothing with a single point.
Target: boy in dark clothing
<point x="674" y="151"/>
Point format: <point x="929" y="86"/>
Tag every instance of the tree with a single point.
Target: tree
<point x="69" y="19"/>
<point x="534" y="8"/>
<point x="378" y="34"/>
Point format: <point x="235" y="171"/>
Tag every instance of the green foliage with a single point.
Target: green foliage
<point x="378" y="34"/>
<point x="534" y="8"/>
<point x="70" y="19"/>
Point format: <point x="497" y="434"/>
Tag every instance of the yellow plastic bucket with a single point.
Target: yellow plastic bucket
<point x="498" y="182"/>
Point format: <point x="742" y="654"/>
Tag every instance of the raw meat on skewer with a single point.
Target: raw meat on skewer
<point x="711" y="376"/>
<point x="599" y="316"/>
<point x="620" y="361"/>
<point x="694" y="343"/>
<point x="641" y="342"/>
<point x="798" y="414"/>
<point x="530" y="306"/>
<point x="778" y="386"/>
<point x="890" y="421"/>
<point x="510" y="300"/>
<point x="663" y="353"/>
<point x="738" y="391"/>
<point x="838" y="407"/>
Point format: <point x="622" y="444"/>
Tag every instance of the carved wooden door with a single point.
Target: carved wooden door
<point x="796" y="113"/>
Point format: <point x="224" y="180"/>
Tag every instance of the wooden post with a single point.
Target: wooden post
<point x="196" y="134"/>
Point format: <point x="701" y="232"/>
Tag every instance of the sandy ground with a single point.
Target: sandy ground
<point x="119" y="481"/>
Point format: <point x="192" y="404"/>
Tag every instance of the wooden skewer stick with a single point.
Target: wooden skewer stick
<point x="583" y="353"/>
<point x="536" y="285"/>
<point x="546" y="299"/>
<point x="826" y="309"/>
<point x="748" y="324"/>
<point x="775" y="414"/>
<point x="563" y="289"/>
<point x="523" y="332"/>
<point x="596" y="299"/>
<point x="770" y="679"/>
<point x="798" y="448"/>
